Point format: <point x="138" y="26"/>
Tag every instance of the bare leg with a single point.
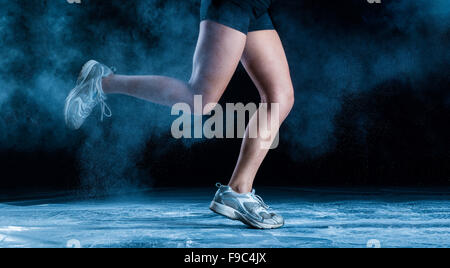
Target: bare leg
<point x="217" y="56"/>
<point x="265" y="61"/>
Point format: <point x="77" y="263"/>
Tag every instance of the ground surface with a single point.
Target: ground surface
<point x="180" y="218"/>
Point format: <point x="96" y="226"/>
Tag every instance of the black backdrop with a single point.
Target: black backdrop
<point x="372" y="90"/>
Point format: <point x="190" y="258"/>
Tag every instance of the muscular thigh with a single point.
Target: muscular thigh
<point x="265" y="61"/>
<point x="219" y="50"/>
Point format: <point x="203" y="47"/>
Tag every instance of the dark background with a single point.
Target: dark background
<point x="372" y="89"/>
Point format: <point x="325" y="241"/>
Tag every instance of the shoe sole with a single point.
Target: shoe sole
<point x="234" y="214"/>
<point x="84" y="73"/>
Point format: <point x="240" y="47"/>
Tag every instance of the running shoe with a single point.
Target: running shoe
<point x="86" y="95"/>
<point x="248" y="208"/>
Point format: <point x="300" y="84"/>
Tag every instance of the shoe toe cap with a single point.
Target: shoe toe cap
<point x="277" y="218"/>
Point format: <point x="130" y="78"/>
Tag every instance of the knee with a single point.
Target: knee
<point x="285" y="98"/>
<point x="207" y="100"/>
<point x="210" y="101"/>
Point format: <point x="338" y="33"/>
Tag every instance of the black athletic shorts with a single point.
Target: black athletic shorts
<point x="242" y="15"/>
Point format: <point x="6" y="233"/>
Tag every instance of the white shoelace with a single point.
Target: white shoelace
<point x="105" y="110"/>
<point x="260" y="200"/>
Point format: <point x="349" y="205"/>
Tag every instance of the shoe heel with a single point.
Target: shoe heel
<point x="223" y="210"/>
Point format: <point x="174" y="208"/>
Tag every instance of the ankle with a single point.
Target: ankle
<point x="106" y="84"/>
<point x="241" y="188"/>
